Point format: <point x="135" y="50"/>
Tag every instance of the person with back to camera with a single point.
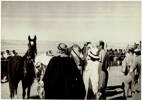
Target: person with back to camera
<point x="62" y="50"/>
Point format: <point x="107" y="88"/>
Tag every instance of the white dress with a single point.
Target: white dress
<point x="91" y="74"/>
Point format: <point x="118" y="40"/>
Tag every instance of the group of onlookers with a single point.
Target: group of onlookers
<point x="5" y="56"/>
<point x="7" y="53"/>
<point x="91" y="59"/>
<point x="129" y="58"/>
<point x="116" y="56"/>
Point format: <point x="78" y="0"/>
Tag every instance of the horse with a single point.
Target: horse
<point x="79" y="55"/>
<point x="41" y="63"/>
<point x="21" y="68"/>
<point x="128" y="78"/>
<point x="63" y="80"/>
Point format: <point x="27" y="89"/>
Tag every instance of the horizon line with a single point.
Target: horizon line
<point x="71" y="41"/>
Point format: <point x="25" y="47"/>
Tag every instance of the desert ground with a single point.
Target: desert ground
<point x="114" y="89"/>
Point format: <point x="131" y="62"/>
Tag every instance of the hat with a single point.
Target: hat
<point x="137" y="50"/>
<point x="62" y="46"/>
<point x="93" y="53"/>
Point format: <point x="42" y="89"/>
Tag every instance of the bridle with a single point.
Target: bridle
<point x="28" y="59"/>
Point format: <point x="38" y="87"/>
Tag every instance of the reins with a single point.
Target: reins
<point x="76" y="54"/>
<point x="80" y="61"/>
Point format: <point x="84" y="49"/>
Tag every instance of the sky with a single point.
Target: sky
<point x="71" y="21"/>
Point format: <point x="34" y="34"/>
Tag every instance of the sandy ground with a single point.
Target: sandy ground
<point x="114" y="89"/>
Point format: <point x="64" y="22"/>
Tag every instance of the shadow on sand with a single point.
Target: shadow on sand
<point x="110" y="92"/>
<point x="35" y="97"/>
<point x="118" y="98"/>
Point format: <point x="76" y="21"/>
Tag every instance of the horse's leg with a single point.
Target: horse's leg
<point x="29" y="90"/>
<point x="11" y="93"/>
<point x="130" y="88"/>
<point x="126" y="89"/>
<point x="133" y="85"/>
<point x="24" y="89"/>
<point x="15" y="94"/>
<point x="11" y="89"/>
<point x="15" y="90"/>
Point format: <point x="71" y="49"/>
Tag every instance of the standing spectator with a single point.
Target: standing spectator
<point x="136" y="68"/>
<point x="8" y="54"/>
<point x="126" y="66"/>
<point x="91" y="73"/>
<point x="85" y="49"/>
<point x="103" y="66"/>
<point x="62" y="50"/>
<point x="14" y="53"/>
<point x="2" y="55"/>
<point x="115" y="56"/>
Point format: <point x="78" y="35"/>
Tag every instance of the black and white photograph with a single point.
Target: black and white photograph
<point x="71" y="50"/>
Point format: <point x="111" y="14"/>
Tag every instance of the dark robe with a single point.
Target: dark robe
<point x="62" y="79"/>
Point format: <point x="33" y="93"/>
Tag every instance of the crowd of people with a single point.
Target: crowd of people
<point x="75" y="57"/>
<point x="7" y="53"/>
<point x="116" y="56"/>
<point x="5" y="56"/>
<point x="131" y="68"/>
<point x="129" y="58"/>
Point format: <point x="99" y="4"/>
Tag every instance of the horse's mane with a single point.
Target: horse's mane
<point x="30" y="54"/>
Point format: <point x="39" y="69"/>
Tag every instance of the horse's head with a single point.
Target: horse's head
<point x="32" y="50"/>
<point x="32" y="43"/>
<point x="76" y="53"/>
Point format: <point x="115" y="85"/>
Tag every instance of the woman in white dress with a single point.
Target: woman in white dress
<point x="91" y="73"/>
